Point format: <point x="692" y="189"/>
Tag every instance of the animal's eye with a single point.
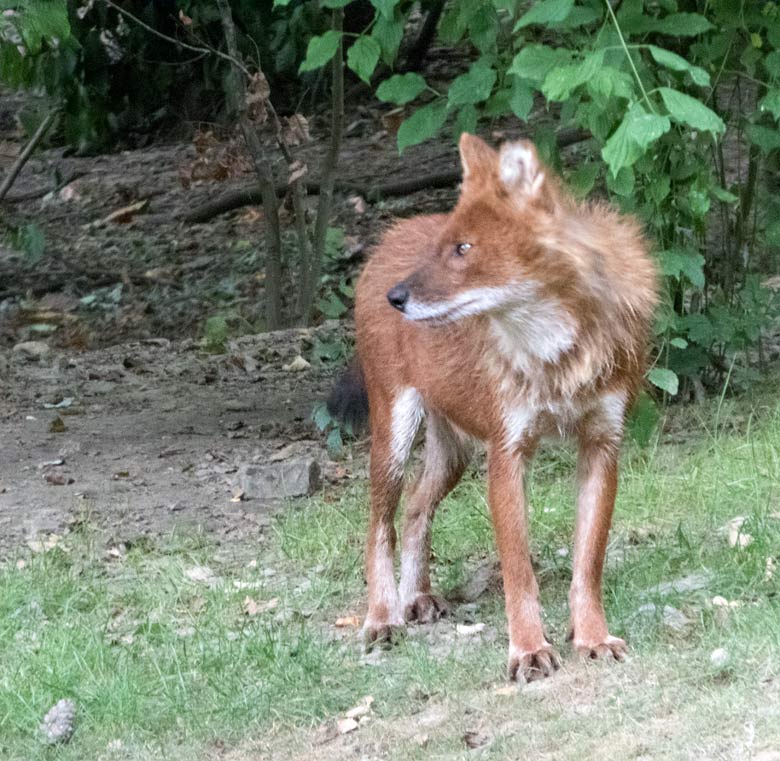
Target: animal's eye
<point x="461" y="248"/>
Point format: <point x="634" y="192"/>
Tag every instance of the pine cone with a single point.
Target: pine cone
<point x="57" y="725"/>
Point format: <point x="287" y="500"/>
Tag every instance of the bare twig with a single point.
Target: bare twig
<point x="202" y="48"/>
<point x="273" y="265"/>
<point x="33" y="194"/>
<point x="21" y="160"/>
<point x="311" y="276"/>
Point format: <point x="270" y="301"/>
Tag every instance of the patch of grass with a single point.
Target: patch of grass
<point x="164" y="662"/>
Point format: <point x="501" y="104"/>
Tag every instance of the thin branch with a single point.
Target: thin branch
<point x="273" y="264"/>
<point x="203" y="48"/>
<point x="628" y="54"/>
<point x="327" y="171"/>
<point x="21" y="160"/>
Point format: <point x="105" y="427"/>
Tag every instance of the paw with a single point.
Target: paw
<point x="380" y="634"/>
<point x="528" y="665"/>
<point x="426" y="608"/>
<point x="607" y="648"/>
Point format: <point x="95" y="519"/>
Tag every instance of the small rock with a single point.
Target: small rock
<point x="474" y="739"/>
<point x="58" y="724"/>
<point x="297" y="365"/>
<point x="467" y="630"/>
<point x="691" y="583"/>
<point x="675" y="619"/>
<point x="32" y="350"/>
<point x="719" y="657"/>
<point x="202" y="574"/>
<point x="291" y="478"/>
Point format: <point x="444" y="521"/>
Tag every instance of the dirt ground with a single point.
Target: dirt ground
<point x="156" y="429"/>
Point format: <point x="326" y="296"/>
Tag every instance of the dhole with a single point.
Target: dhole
<point x="520" y="314"/>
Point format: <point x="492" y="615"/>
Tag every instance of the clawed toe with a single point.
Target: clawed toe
<point x="529" y="666"/>
<point x="426" y="608"/>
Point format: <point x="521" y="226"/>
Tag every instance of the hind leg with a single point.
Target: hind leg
<point x="446" y="457"/>
<point x="394" y="423"/>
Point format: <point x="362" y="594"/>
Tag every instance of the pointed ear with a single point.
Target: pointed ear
<point x="475" y="155"/>
<point x="521" y="171"/>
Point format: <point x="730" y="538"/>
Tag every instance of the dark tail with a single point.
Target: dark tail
<point x="348" y="401"/>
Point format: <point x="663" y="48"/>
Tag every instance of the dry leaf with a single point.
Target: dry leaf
<point x="184" y="18"/>
<point x="238" y="495"/>
<point x="257" y="92"/>
<point x="120" y="216"/>
<point x="508" y="689"/>
<point x="769" y="573"/>
<point x="738" y="538"/>
<point x="361" y="709"/>
<point x="346" y="725"/>
<point x="358" y="204"/>
<point x="346" y="621"/>
<point x="57" y="426"/>
<point x="44" y="544"/>
<point x="295" y="130"/>
<point x="57" y="479"/>
<point x="252" y="607"/>
<point x="297" y="170"/>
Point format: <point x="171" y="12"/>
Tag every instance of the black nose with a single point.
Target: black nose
<point x="398" y="295"/>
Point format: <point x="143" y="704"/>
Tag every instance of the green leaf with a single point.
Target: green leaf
<point x="466" y="121"/>
<point x="472" y="87"/>
<point x="334" y="3"/>
<point x="679" y="343"/>
<point x="321" y="417"/>
<point x="521" y="99"/>
<point x="363" y="57"/>
<point x="424" y="123"/>
<point x="632" y="138"/>
<point x="622" y="184"/>
<point x="771" y="102"/>
<point x="680" y="261"/>
<point x="609" y="81"/>
<point x="644" y="420"/>
<point x="332" y="307"/>
<point x="699" y="328"/>
<point x="766" y="138"/>
<point x="723" y="195"/>
<point x="687" y="110"/>
<point x="561" y="81"/>
<point x="582" y="179"/>
<point x="535" y="61"/>
<point x="682" y="25"/>
<point x="664" y="379"/>
<point x="772" y="233"/>
<point x="388" y="33"/>
<point x="547" y="12"/>
<point x="401" y="88"/>
<point x="772" y="64"/>
<point x="320" y="50"/>
<point x="334" y="442"/>
<point x="385" y="7"/>
<point x="678" y="63"/>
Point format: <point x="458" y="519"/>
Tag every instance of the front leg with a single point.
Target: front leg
<point x="530" y="655"/>
<point x="598" y="465"/>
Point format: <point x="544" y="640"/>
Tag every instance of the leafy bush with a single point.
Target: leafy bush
<point x="673" y="94"/>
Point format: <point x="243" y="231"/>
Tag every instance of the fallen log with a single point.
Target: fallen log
<point x="250" y="194"/>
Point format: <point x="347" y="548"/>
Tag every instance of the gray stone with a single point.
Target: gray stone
<point x="33" y="349"/>
<point x="691" y="583"/>
<point x="278" y="480"/>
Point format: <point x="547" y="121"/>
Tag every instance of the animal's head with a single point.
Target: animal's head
<point x="488" y="257"/>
